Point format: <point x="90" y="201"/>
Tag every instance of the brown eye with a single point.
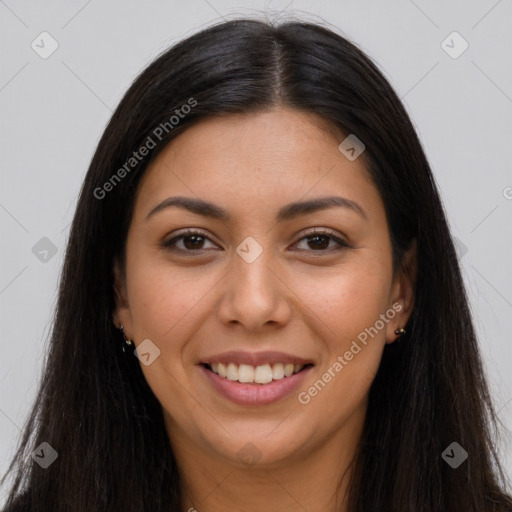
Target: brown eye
<point x="190" y="241"/>
<point x="193" y="242"/>
<point x="319" y="241"/>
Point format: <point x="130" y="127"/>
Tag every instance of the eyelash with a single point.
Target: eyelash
<point x="169" y="244"/>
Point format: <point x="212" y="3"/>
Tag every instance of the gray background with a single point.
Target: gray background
<point x="54" y="110"/>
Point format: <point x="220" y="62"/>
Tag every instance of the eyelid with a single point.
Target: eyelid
<point x="320" y="231"/>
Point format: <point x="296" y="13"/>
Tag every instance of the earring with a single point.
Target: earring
<point x="400" y="331"/>
<point x="126" y="341"/>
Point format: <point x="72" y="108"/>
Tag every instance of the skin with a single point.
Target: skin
<point x="296" y="298"/>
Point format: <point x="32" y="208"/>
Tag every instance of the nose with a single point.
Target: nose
<point x="255" y="294"/>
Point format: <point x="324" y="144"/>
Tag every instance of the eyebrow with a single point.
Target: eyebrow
<point x="288" y="212"/>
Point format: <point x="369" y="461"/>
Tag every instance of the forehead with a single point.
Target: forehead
<point x="253" y="161"/>
<point x="274" y="137"/>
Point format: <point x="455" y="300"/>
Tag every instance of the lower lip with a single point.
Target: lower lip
<point x="256" y="394"/>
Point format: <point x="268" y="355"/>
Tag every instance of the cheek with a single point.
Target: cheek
<point x="350" y="346"/>
<point x="345" y="301"/>
<point x="165" y="304"/>
<point x="345" y="317"/>
<point x="166" y="308"/>
<point x="164" y="300"/>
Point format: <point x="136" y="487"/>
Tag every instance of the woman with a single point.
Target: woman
<point x="260" y="223"/>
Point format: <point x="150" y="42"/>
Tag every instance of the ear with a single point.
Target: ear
<point x="121" y="313"/>
<point x="402" y="293"/>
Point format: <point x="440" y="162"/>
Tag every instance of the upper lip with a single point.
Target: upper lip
<point x="255" y="358"/>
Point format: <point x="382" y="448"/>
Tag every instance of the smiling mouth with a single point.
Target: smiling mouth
<point x="261" y="374"/>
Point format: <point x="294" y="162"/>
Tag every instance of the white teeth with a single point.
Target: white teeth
<point x="223" y="371"/>
<point x="277" y="371"/>
<point x="262" y="374"/>
<point x="245" y="373"/>
<point x="232" y="372"/>
<point x="288" y="369"/>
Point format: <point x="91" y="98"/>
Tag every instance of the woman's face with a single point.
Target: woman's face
<point x="255" y="290"/>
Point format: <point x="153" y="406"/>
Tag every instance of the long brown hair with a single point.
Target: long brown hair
<point x="94" y="406"/>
